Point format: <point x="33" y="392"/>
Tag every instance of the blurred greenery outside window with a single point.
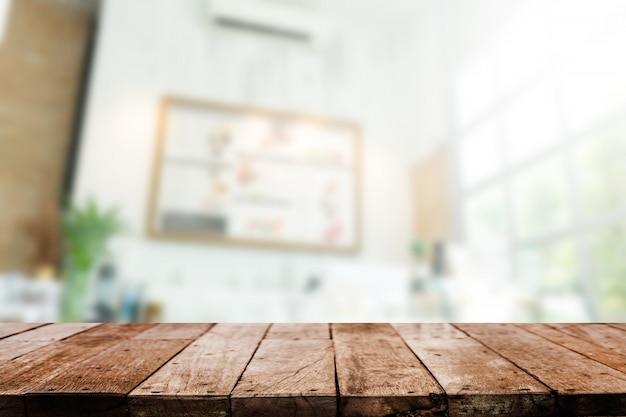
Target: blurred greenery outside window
<point x="542" y="230"/>
<point x="608" y="254"/>
<point x="542" y="167"/>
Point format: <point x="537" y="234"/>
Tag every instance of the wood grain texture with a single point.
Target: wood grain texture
<point x="148" y="370"/>
<point x="378" y="375"/>
<point x="99" y="385"/>
<point x="11" y="349"/>
<point x="9" y="329"/>
<point x="288" y="378"/>
<point x="601" y="352"/>
<point x="199" y="380"/>
<point x="299" y="331"/>
<point x="164" y="331"/>
<point x="610" y="337"/>
<point x="585" y="387"/>
<point x="118" y="330"/>
<point x="621" y="326"/>
<point x="53" y="332"/>
<point x="21" y="343"/>
<point x="362" y="331"/>
<point x="25" y="373"/>
<point x="478" y="382"/>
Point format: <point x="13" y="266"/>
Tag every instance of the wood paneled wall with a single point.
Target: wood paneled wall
<point x="41" y="61"/>
<point x="433" y="210"/>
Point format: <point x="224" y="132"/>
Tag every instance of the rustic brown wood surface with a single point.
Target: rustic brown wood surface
<point x="584" y="386"/>
<point x="20" y="375"/>
<point x="299" y="331"/>
<point x="198" y="381"/>
<point x="287" y="378"/>
<point x="149" y="370"/>
<point x="507" y="391"/>
<point x="22" y="343"/>
<point x="378" y="375"/>
<point x="99" y="385"/>
<point x="608" y="352"/>
<point x="8" y="329"/>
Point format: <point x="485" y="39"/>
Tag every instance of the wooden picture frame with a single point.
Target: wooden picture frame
<point x="177" y="227"/>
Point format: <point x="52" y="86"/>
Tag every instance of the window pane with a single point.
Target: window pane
<point x="588" y="49"/>
<point x="608" y="254"/>
<point x="601" y="167"/>
<point x="480" y="154"/>
<point x="549" y="271"/>
<point x="540" y="199"/>
<point x="531" y="123"/>
<point x="485" y="219"/>
<point x="548" y="268"/>
<point x="522" y="49"/>
<point x="475" y="87"/>
<point x="593" y="85"/>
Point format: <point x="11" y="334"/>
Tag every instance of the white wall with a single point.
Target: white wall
<point x="148" y="48"/>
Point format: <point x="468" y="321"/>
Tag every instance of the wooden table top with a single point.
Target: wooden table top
<point x="80" y="369"/>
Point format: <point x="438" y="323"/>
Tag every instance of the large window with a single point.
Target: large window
<point x="540" y="138"/>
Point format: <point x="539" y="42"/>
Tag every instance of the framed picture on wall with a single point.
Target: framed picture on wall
<point x="231" y="174"/>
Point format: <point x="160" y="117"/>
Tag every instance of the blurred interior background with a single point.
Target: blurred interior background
<point x="488" y="183"/>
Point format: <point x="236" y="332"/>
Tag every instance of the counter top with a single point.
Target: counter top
<point x="201" y="369"/>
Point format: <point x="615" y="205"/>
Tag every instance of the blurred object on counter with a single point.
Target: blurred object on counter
<point x="106" y="305"/>
<point x="368" y="291"/>
<point x="86" y="230"/>
<point x="438" y="259"/>
<point x="132" y="301"/>
<point x="24" y="299"/>
<point x="153" y="312"/>
<point x="427" y="299"/>
<point x="44" y="232"/>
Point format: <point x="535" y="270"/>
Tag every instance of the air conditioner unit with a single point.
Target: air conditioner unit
<point x="270" y="17"/>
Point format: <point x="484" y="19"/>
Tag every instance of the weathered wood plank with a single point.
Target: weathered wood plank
<point x="116" y="370"/>
<point x="288" y="378"/>
<point x="621" y="326"/>
<point x="199" y="380"/>
<point x="57" y="331"/>
<point x="585" y="387"/>
<point x="477" y="381"/>
<point x="299" y="331"/>
<point x="98" y="386"/>
<point x="21" y="343"/>
<point x="610" y="337"/>
<point x="164" y="331"/>
<point x="599" y="352"/>
<point x="11" y="349"/>
<point x="24" y="373"/>
<point x="119" y="330"/>
<point x="378" y="375"/>
<point x="9" y="329"/>
<point x="363" y="331"/>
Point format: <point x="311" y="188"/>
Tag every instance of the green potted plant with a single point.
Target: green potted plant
<point x="86" y="231"/>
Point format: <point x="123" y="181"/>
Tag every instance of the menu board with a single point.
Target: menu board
<point x="230" y="174"/>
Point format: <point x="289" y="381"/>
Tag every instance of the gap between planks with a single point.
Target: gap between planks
<point x="298" y="359"/>
<point x="479" y="382"/>
<point x="198" y="381"/>
<point x="98" y="384"/>
<point x="366" y="355"/>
